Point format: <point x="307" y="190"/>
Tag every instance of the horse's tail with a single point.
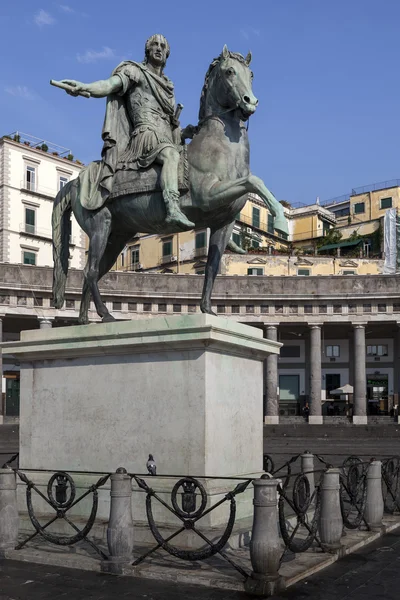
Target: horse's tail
<point x="60" y="220"/>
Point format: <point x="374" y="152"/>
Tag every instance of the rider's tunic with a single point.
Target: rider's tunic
<point x="150" y="103"/>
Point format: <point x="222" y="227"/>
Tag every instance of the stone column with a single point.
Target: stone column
<point x="46" y="322"/>
<point x="360" y="383"/>
<point x="374" y="507"/>
<point x="120" y="526"/>
<point x="315" y="417"/>
<point x="271" y="416"/>
<point x="9" y="520"/>
<point x="330" y="524"/>
<point x="266" y="546"/>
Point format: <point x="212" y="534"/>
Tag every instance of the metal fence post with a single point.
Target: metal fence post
<point x="9" y="520"/>
<point x="266" y="546"/>
<point x="307" y="467"/>
<point x="331" y="520"/>
<point x="374" y="506"/>
<point x="120" y="526"/>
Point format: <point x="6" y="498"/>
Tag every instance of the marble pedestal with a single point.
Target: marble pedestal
<point x="187" y="389"/>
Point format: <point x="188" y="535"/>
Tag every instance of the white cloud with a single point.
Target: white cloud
<point x="44" y="18"/>
<point x="19" y="90"/>
<point x="250" y="32"/>
<point x="93" y="56"/>
<point x="65" y="8"/>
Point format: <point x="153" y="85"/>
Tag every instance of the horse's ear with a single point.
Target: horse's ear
<point x="248" y="58"/>
<point x="225" y="52"/>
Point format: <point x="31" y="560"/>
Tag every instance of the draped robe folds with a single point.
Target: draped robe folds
<point x="96" y="180"/>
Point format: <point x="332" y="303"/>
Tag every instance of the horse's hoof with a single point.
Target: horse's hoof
<point x="207" y="311"/>
<point x="108" y="319"/>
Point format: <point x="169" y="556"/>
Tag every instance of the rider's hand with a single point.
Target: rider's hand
<point x="189" y="132"/>
<point x="77" y="85"/>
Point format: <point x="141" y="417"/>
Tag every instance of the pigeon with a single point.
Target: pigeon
<point x="151" y="465"/>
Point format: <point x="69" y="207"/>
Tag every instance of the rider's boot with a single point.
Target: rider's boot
<point x="174" y="213"/>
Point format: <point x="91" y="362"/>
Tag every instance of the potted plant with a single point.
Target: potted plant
<point x="44" y="147"/>
<point x="17" y="137"/>
<point x="27" y="143"/>
<point x="70" y="157"/>
<point x="55" y="153"/>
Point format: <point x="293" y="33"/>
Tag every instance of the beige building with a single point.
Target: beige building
<point x="32" y="171"/>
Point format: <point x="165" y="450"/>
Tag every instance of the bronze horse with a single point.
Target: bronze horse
<point x="219" y="180"/>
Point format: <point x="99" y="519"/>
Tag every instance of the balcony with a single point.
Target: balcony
<point x="168" y="258"/>
<point x="44" y="234"/>
<point x="200" y="252"/>
<point x="33" y="188"/>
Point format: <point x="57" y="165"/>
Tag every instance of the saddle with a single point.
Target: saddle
<point x="131" y="180"/>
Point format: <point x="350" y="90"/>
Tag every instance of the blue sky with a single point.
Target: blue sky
<point x="326" y="73"/>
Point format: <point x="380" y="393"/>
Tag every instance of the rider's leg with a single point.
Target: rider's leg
<point x="169" y="159"/>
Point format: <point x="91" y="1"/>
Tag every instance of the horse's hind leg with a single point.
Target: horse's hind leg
<point x="98" y="231"/>
<point x="116" y="243"/>
<point x="218" y="242"/>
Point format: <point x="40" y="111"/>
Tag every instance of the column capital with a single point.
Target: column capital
<point x="359" y="325"/>
<point x="275" y="325"/>
<point x="315" y="325"/>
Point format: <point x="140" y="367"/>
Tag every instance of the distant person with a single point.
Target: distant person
<point x="331" y="409"/>
<point x="306" y="411"/>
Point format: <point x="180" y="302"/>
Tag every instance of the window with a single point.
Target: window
<point x="61" y="182"/>
<point x="386" y="203"/>
<point x="191" y="308"/>
<point x="367" y="308"/>
<point x="264" y="309"/>
<point x="29" y="258"/>
<point x="352" y="308"/>
<point x="337" y="308"/>
<point x="200" y="240"/>
<point x="177" y="307"/>
<point x="332" y="351"/>
<point x="348" y="272"/>
<point x="359" y="208"/>
<point x="255" y="271"/>
<point x="167" y="247"/>
<point x="256" y="217"/>
<point x="279" y="309"/>
<point x="255" y="244"/>
<point x="162" y="308"/>
<point x="290" y="352"/>
<point x="250" y="308"/>
<point x="220" y="308"/>
<point x="378" y="350"/>
<point x="147" y="307"/>
<point x="307" y="309"/>
<point x="132" y="306"/>
<point x="70" y="303"/>
<point x="117" y="305"/>
<point x="270" y="226"/>
<point x="303" y="272"/>
<point x="235" y="308"/>
<point x="135" y="257"/>
<point x="293" y="309"/>
<point x="30" y="218"/>
<point x="122" y="259"/>
<point x="236" y="238"/>
<point x="37" y="301"/>
<point x="30" y="176"/>
<point x="396" y="307"/>
<point x="343" y="212"/>
<point x="381" y="308"/>
<point x="322" y="309"/>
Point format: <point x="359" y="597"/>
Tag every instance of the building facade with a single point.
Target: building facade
<point x="331" y="335"/>
<point x="31" y="173"/>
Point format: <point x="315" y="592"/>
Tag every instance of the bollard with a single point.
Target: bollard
<point x="374" y="506"/>
<point x="266" y="546"/>
<point x="307" y="467"/>
<point x="9" y="520"/>
<point x="331" y="521"/>
<point x="120" y="526"/>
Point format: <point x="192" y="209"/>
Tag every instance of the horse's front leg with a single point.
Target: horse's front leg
<point x="218" y="241"/>
<point x="257" y="186"/>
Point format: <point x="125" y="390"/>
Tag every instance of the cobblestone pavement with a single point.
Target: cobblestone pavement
<point x="372" y="573"/>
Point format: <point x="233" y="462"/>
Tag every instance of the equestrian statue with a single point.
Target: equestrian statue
<point x="148" y="180"/>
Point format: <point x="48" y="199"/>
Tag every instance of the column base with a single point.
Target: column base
<point x="271" y="420"/>
<point x="264" y="585"/>
<point x="360" y="420"/>
<point x="315" y="419"/>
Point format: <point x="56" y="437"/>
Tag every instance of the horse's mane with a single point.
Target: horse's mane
<point x="215" y="62"/>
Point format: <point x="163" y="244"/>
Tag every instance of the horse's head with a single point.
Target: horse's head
<point x="228" y="85"/>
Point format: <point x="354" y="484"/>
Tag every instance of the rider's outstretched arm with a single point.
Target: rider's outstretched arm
<point x="97" y="89"/>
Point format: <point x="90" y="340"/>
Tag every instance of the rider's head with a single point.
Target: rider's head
<point x="156" y="50"/>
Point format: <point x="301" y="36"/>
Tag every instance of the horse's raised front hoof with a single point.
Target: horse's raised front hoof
<point x="108" y="318"/>
<point x="207" y="310"/>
